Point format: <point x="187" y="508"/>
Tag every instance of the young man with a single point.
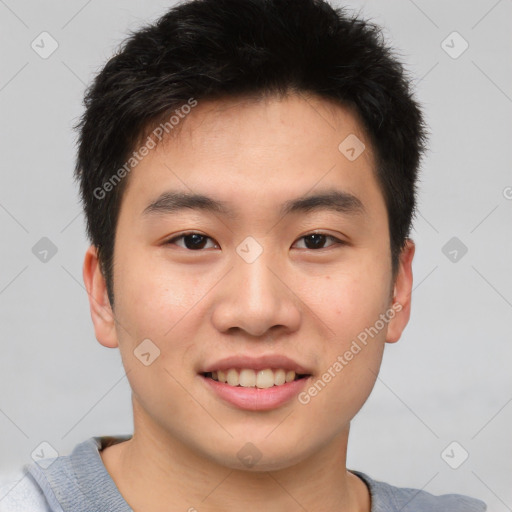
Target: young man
<point x="248" y="171"/>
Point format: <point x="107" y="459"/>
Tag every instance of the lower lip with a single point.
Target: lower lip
<point x="255" y="399"/>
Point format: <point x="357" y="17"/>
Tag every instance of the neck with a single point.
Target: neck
<point x="154" y="471"/>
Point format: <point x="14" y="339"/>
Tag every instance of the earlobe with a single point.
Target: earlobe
<point x="101" y="311"/>
<point x="401" y="303"/>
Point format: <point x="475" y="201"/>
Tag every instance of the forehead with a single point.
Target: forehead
<point x="251" y="153"/>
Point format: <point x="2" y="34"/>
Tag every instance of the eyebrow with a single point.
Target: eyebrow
<point x="171" y="202"/>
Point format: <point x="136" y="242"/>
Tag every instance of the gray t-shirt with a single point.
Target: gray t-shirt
<point x="79" y="482"/>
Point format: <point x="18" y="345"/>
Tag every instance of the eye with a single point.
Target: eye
<point x="192" y="241"/>
<point x="317" y="240"/>
<point x="196" y="241"/>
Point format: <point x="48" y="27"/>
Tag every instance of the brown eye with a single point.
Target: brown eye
<point x="191" y="241"/>
<point x="316" y="241"/>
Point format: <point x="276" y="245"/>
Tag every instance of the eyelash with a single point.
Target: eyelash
<point x="337" y="241"/>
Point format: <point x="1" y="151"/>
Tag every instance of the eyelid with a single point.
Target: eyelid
<point x="171" y="241"/>
<point x="336" y="240"/>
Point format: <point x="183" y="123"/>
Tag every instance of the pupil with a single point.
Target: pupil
<point x="317" y="239"/>
<point x="198" y="241"/>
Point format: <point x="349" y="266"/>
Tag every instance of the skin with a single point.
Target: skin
<point x="201" y="306"/>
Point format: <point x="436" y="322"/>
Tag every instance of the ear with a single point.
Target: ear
<point x="101" y="311"/>
<point x="401" y="303"/>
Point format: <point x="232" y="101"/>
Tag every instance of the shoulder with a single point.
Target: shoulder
<point x="20" y="493"/>
<point x="388" y="498"/>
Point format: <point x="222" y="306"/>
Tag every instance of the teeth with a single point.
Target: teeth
<point x="248" y="378"/>
<point x="264" y="379"/>
<point x="279" y="377"/>
<point x="233" y="378"/>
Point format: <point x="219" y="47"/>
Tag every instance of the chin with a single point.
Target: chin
<point x="262" y="454"/>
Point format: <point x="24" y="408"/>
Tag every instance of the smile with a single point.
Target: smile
<point x="249" y="378"/>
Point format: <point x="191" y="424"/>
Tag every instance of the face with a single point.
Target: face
<point x="255" y="283"/>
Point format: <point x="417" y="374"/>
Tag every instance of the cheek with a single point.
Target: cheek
<point x="349" y="389"/>
<point x="152" y="298"/>
<point x="351" y="361"/>
<point x="151" y="306"/>
<point x="163" y="306"/>
<point x="351" y="301"/>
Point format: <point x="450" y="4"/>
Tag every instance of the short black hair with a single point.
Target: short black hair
<point x="215" y="49"/>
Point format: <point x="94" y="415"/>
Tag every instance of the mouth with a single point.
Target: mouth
<point x="260" y="379"/>
<point x="251" y="383"/>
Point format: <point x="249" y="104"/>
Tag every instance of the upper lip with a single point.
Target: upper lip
<point x="257" y="363"/>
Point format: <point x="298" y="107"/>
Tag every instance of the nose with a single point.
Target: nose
<point x="256" y="298"/>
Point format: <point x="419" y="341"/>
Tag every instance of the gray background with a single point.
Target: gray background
<point x="448" y="378"/>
